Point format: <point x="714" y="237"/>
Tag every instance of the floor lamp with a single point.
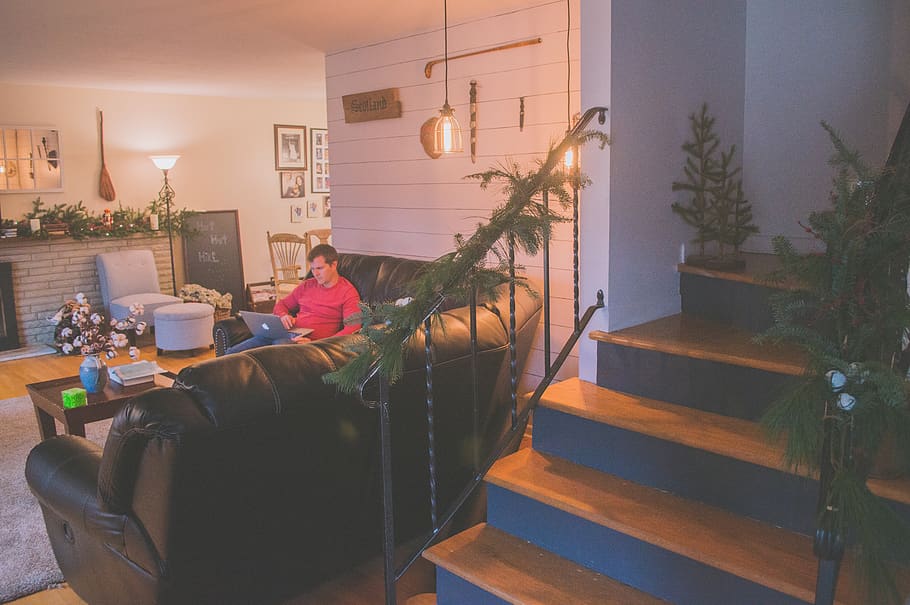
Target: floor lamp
<point x="165" y="163"/>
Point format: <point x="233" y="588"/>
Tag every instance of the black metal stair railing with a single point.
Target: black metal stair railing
<point x="829" y="544"/>
<point x="440" y="521"/>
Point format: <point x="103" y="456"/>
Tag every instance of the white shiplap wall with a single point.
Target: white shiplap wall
<point x="389" y="197"/>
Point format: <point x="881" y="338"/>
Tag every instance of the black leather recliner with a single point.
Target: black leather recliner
<point x="251" y="480"/>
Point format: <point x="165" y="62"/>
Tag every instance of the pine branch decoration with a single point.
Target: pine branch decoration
<point x="851" y="316"/>
<point x="388" y="329"/>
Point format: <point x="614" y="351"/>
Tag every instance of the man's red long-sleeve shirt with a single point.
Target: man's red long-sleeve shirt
<point x="322" y="309"/>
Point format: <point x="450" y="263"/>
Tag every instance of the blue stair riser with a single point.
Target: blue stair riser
<point x="649" y="568"/>
<point x="746" y="489"/>
<point x="741" y="304"/>
<point x="453" y="590"/>
<point x="711" y="386"/>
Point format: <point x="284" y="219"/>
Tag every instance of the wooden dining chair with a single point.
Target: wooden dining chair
<point x="315" y="237"/>
<point x="287" y="252"/>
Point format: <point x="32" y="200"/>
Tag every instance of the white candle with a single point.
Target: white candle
<point x="153" y="222"/>
<point x="34" y="224"/>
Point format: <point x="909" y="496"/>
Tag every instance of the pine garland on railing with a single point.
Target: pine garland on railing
<point x="388" y="328"/>
<point x="852" y="317"/>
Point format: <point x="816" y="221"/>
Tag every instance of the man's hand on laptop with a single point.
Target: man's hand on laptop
<point x="287" y="321"/>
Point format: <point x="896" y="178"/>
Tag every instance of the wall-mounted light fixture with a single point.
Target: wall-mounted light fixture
<point x="448" y="131"/>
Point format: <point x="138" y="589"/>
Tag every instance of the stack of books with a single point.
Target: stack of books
<point x="134" y="373"/>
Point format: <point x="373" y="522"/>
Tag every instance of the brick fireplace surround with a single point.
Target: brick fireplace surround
<point x="47" y="273"/>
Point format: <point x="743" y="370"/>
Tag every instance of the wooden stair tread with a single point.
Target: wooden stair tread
<point x="892" y="489"/>
<point x="767" y="555"/>
<point x="522" y="573"/>
<point x="731" y="437"/>
<point x="426" y="598"/>
<point x="758" y="269"/>
<point x="689" y="336"/>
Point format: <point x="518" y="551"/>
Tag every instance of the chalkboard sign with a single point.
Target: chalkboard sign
<point x="212" y="255"/>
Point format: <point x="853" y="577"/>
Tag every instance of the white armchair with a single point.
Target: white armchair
<point x="128" y="277"/>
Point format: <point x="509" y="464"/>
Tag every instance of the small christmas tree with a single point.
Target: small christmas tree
<point x="732" y="213"/>
<point x="701" y="175"/>
<point x="717" y="209"/>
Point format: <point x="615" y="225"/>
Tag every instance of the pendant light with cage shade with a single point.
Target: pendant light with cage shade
<point x="447" y="133"/>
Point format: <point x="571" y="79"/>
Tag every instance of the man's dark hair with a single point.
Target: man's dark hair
<point x="327" y="252"/>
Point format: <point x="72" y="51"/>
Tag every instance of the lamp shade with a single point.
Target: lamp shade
<point x="164" y="162"/>
<point x="448" y="132"/>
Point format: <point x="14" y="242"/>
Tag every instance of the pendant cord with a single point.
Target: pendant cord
<point x="568" y="66"/>
<point x="445" y="29"/>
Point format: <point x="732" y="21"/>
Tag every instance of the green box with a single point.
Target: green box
<point x="73" y="398"/>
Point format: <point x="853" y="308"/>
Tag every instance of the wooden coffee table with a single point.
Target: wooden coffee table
<point x="48" y="401"/>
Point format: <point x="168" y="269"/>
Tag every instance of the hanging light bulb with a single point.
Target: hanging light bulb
<point x="447" y="132"/>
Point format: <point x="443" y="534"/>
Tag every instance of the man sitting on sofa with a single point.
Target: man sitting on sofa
<point x="322" y="302"/>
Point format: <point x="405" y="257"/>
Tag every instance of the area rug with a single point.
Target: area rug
<point x="27" y="562"/>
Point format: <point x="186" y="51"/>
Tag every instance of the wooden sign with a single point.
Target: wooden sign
<point x="373" y="105"/>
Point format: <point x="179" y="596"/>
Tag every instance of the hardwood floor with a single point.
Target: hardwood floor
<point x="15" y="374"/>
<point x="361" y="586"/>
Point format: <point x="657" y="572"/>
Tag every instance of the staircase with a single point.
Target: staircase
<point x="656" y="484"/>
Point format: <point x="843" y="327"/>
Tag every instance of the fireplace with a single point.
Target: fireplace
<point x="9" y="332"/>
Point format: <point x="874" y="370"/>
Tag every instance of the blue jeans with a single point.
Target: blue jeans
<point x="255" y="342"/>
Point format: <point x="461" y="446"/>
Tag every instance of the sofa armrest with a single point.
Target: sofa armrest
<point x="89" y="540"/>
<point x="229" y="332"/>
<point x="63" y="475"/>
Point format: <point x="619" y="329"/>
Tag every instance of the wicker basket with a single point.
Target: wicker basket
<point x="222" y="314"/>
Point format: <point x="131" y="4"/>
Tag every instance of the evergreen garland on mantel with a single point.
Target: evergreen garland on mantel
<point x="80" y="223"/>
<point x="852" y="317"/>
<point x="388" y="328"/>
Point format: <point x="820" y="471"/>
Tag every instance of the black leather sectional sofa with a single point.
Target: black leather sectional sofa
<point x="251" y="479"/>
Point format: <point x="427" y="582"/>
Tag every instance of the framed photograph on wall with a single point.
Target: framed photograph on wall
<point x="298" y="213"/>
<point x="319" y="152"/>
<point x="292" y="183"/>
<point x="290" y="147"/>
<point x="314" y="208"/>
<point x="326" y="206"/>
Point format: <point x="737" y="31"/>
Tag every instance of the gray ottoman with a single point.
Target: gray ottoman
<point x="184" y="326"/>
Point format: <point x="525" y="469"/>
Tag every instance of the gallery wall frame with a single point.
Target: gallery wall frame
<point x="293" y="183"/>
<point x="319" y="156"/>
<point x="314" y="208"/>
<point x="290" y="147"/>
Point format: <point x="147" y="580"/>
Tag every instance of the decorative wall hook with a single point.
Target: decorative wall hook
<point x="473" y="121"/>
<point x="521" y="114"/>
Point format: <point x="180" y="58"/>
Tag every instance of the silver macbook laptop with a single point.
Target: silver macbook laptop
<point x="270" y="326"/>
